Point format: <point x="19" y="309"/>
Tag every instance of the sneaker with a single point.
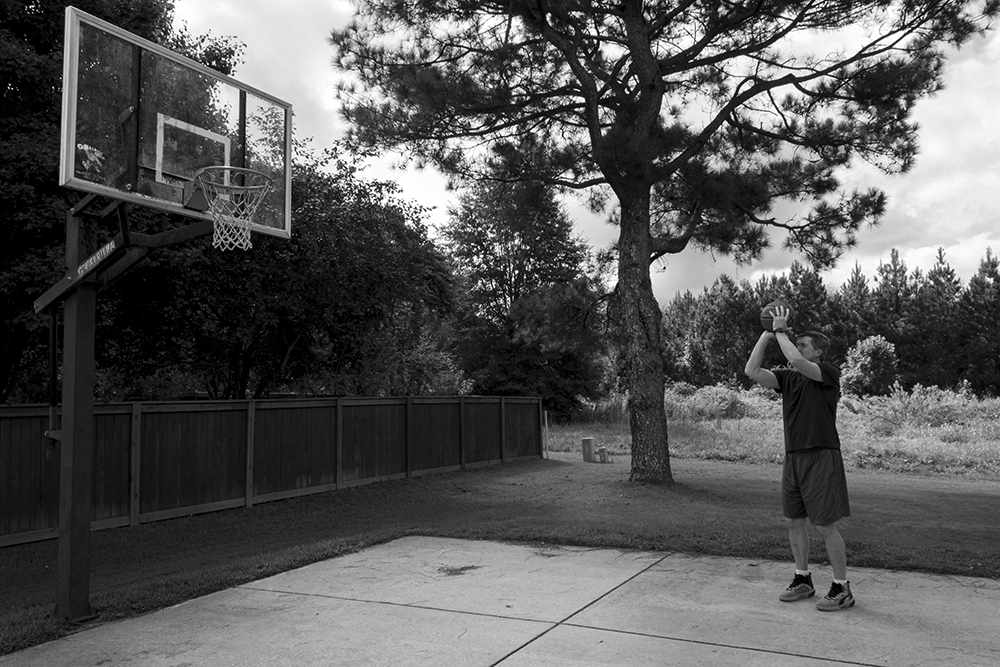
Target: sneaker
<point x="800" y="588"/>
<point x="838" y="598"/>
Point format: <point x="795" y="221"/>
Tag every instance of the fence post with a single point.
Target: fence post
<point x="338" y="443"/>
<point x="461" y="432"/>
<point x="543" y="432"/>
<point x="503" y="430"/>
<point x="409" y="435"/>
<point x="251" y="421"/>
<point x="135" y="465"/>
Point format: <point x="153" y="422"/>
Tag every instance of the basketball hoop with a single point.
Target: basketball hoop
<point x="233" y="195"/>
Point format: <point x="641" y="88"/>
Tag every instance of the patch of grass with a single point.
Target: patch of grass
<point x="948" y="449"/>
<point x="941" y="524"/>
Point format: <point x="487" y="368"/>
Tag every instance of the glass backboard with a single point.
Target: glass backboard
<point x="138" y="120"/>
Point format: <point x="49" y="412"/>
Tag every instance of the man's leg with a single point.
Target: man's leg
<point x="835" y="549"/>
<point x="840" y="595"/>
<point x="798" y="538"/>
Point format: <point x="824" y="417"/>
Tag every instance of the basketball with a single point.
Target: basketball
<point x="766" y="319"/>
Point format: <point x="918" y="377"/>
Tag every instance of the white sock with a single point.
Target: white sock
<point x="804" y="573"/>
<point x="840" y="581"/>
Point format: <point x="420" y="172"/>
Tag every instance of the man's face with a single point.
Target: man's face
<point x="806" y="349"/>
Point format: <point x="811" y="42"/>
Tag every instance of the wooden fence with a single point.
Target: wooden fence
<point x="157" y="461"/>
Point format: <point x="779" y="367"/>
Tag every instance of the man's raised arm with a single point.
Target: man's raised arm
<point x="753" y="370"/>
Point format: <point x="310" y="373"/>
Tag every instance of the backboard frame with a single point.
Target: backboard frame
<point x="75" y="20"/>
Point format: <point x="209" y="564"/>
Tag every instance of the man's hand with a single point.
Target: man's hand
<point x="779" y="317"/>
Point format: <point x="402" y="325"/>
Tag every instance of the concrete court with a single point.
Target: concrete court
<point x="435" y="601"/>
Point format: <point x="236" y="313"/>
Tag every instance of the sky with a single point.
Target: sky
<point x="948" y="200"/>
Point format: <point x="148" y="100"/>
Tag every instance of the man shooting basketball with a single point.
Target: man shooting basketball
<point x="813" y="483"/>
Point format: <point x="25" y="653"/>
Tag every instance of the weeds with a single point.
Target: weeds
<point x="926" y="430"/>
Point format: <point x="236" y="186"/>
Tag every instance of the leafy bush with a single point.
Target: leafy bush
<point x="920" y="407"/>
<point x="717" y="402"/>
<point x="682" y="389"/>
<point x="610" y="410"/>
<point x="870" y="367"/>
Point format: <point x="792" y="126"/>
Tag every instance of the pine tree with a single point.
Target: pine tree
<point x="936" y="337"/>
<point x="851" y="311"/>
<point x="979" y="327"/>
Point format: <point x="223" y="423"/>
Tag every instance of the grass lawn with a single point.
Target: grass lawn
<point x="943" y="523"/>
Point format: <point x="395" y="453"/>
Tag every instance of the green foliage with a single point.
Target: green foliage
<point x="924" y="431"/>
<point x="919" y="407"/>
<point x="549" y="346"/>
<point x="440" y="78"/>
<point x="32" y="238"/>
<point x="979" y="308"/>
<point x="933" y="357"/>
<point x="870" y="368"/>
<point x="718" y="402"/>
<point x="356" y="302"/>
<point x="509" y="238"/>
<point x="942" y="333"/>
<point x="536" y="317"/>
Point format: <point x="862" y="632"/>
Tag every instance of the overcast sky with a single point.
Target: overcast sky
<point x="949" y="200"/>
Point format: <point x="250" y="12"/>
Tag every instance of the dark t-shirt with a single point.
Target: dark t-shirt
<point x="809" y="408"/>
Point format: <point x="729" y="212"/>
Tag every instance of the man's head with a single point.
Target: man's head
<point x="812" y="345"/>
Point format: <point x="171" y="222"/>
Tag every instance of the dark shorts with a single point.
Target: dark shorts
<point x="814" y="485"/>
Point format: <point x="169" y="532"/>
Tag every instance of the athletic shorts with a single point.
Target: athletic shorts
<point x="814" y="485"/>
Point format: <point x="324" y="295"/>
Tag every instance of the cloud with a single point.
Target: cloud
<point x="286" y="53"/>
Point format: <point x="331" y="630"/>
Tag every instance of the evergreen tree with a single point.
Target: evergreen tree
<point x="851" y="311"/>
<point x="935" y="350"/>
<point x="892" y="304"/>
<point x="725" y="323"/>
<point x="809" y="298"/>
<point x="682" y="350"/>
<point x="978" y="327"/>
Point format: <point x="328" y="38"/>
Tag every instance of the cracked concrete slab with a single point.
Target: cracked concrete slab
<point x="437" y="601"/>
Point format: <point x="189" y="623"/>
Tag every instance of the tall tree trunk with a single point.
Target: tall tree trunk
<point x="638" y="324"/>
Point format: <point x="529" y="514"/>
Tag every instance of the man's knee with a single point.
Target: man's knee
<point x="827" y="530"/>
<point x="795" y="524"/>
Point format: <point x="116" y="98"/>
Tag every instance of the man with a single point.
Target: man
<point x="813" y="483"/>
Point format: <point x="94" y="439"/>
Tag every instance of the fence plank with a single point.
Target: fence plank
<point x="523" y="429"/>
<point x="435" y="436"/>
<point x="374" y="440"/>
<point x="110" y="483"/>
<point x="135" y="456"/>
<point x="483" y="419"/>
<point x="248" y="477"/>
<point x="192" y="458"/>
<point x="295" y="448"/>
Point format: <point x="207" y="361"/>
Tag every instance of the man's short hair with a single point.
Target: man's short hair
<point x="819" y="340"/>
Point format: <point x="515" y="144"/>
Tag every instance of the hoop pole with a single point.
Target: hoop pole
<point x="76" y="456"/>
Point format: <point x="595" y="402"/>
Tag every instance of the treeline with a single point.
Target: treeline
<point x="945" y="333"/>
<point x="360" y="301"/>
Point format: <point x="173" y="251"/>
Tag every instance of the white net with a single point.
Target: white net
<point x="233" y="196"/>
